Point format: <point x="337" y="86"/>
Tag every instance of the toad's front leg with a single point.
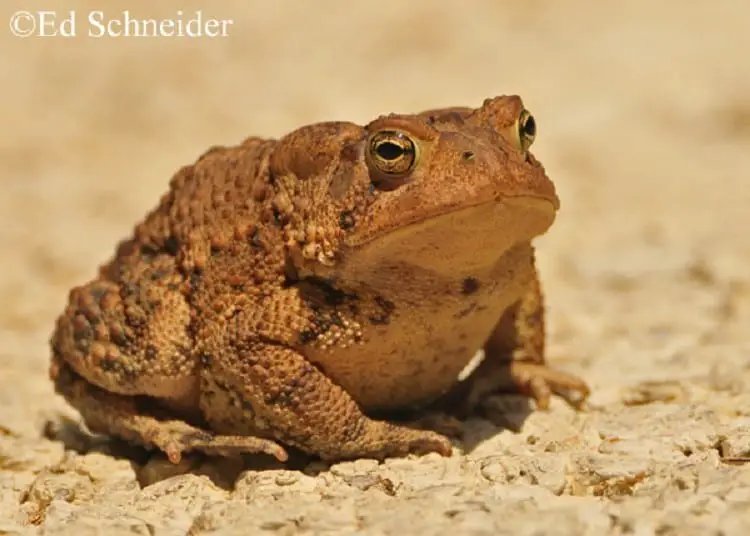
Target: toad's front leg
<point x="514" y="362"/>
<point x="253" y="387"/>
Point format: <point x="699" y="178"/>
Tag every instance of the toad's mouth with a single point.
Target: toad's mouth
<point x="454" y="241"/>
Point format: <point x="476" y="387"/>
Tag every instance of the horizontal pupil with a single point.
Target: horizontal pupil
<point x="389" y="151"/>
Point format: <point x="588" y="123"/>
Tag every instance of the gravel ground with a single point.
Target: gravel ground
<point x="644" y="124"/>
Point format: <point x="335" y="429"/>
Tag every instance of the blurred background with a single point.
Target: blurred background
<point x="643" y="114"/>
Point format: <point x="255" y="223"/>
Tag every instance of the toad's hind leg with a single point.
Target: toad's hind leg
<point x="122" y="352"/>
<point x="127" y="331"/>
<point x="251" y="386"/>
<point x="130" y="418"/>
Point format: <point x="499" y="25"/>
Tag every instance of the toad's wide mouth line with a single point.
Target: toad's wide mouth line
<point x="532" y="203"/>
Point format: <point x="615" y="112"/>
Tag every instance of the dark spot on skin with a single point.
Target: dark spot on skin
<point x="291" y="275"/>
<point x="129" y="289"/>
<point x="346" y="220"/>
<point x="83" y="342"/>
<point x="148" y="252"/>
<point x="97" y="292"/>
<point x="386" y="305"/>
<point x="206" y="360"/>
<point x="194" y="280"/>
<point x="467" y="155"/>
<point x="314" y="289"/>
<point x="470" y="309"/>
<point x="379" y="319"/>
<point x="109" y="365"/>
<point x="137" y="319"/>
<point x="336" y="319"/>
<point x="386" y="308"/>
<point x="255" y="240"/>
<point x="307" y="336"/>
<point x="247" y="407"/>
<point x="277" y="398"/>
<point x="325" y="281"/>
<point x="336" y="297"/>
<point x="151" y="351"/>
<point x="470" y="286"/>
<point x="159" y="274"/>
<point x="140" y="302"/>
<point x="172" y="245"/>
<point x="322" y="323"/>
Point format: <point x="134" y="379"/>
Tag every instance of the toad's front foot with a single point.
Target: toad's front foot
<point x="540" y="382"/>
<point x="535" y="380"/>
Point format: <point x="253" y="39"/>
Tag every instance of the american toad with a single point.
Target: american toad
<point x="288" y="292"/>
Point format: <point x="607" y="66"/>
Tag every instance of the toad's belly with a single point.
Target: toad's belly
<point x="419" y="352"/>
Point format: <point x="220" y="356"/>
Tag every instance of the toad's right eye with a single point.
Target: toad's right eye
<point x="392" y="152"/>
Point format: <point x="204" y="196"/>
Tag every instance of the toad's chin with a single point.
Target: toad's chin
<point x="459" y="241"/>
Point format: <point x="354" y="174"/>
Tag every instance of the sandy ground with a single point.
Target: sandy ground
<point x="644" y="124"/>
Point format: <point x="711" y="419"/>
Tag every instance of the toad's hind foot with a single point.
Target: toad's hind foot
<point x="122" y="416"/>
<point x="176" y="437"/>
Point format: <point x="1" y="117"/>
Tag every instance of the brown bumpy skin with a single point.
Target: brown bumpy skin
<point x="283" y="292"/>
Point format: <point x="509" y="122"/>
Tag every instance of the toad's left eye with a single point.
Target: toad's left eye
<point x="525" y="130"/>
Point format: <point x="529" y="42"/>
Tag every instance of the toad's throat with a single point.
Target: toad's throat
<point x="412" y="342"/>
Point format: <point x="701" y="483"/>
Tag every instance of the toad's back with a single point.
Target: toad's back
<point x="209" y="203"/>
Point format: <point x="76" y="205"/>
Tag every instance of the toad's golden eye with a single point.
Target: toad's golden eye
<point x="392" y="152"/>
<point x="525" y="130"/>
